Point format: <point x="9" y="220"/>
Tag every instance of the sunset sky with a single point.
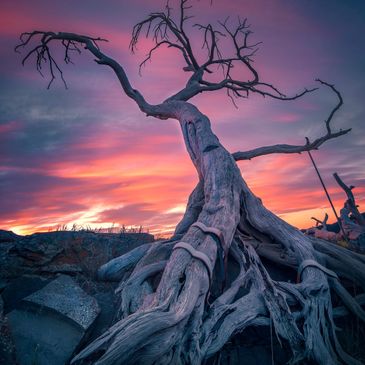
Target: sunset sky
<point x="88" y="156"/>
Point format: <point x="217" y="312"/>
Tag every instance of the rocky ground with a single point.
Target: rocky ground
<point x="52" y="303"/>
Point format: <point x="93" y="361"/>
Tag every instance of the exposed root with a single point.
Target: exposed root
<point x="301" y="314"/>
<point x="165" y="289"/>
<point x="351" y="304"/>
<point x="136" y="290"/>
<point x="115" y="269"/>
<point x="174" y="308"/>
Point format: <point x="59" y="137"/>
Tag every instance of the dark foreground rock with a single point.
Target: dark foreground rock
<point x="52" y="303"/>
<point x="51" y="323"/>
<point x="7" y="349"/>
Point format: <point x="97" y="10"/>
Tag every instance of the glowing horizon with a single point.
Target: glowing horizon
<point x="88" y="156"/>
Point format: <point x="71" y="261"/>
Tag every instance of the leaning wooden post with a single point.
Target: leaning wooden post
<point x="328" y="196"/>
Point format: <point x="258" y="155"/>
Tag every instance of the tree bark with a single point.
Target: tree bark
<point x="350" y="200"/>
<point x="176" y="304"/>
<point x="180" y="320"/>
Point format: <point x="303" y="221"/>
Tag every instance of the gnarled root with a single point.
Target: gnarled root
<point x="190" y="327"/>
<point x="176" y="304"/>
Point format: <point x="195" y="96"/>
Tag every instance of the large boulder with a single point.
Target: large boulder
<point x="49" y="325"/>
<point x="16" y="289"/>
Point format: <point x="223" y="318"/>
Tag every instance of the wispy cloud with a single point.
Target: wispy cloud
<point x="88" y="155"/>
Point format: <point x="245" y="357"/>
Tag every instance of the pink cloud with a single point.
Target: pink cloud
<point x="10" y="127"/>
<point x="120" y="164"/>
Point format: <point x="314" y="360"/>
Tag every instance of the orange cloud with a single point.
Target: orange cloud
<point x="88" y="156"/>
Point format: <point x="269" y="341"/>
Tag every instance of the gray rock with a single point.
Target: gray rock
<point x="51" y="323"/>
<point x="17" y="289"/>
<point x="68" y="269"/>
<point x="7" y="350"/>
<point x="63" y="252"/>
<point x="64" y="296"/>
<point x="3" y="284"/>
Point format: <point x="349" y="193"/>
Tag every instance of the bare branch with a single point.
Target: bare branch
<point x="73" y="42"/>
<point x="163" y="27"/>
<point x="308" y="146"/>
<point x="322" y="223"/>
<point x="164" y="30"/>
<point x="43" y="53"/>
<point x="338" y="106"/>
<point x="211" y="38"/>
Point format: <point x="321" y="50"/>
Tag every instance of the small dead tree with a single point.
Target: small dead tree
<point x="351" y="222"/>
<point x="324" y="235"/>
<point x="321" y="231"/>
<point x="178" y="305"/>
<point x="351" y="219"/>
<point x="321" y="223"/>
<point x="350" y="202"/>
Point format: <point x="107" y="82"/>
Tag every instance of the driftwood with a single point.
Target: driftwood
<point x="176" y="304"/>
<point x="324" y="234"/>
<point x="321" y="223"/>
<point x="321" y="231"/>
<point x="350" y="202"/>
<point x="351" y="220"/>
<point x="352" y="229"/>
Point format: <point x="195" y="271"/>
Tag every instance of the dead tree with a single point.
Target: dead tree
<point x="321" y="231"/>
<point x="178" y="305"/>
<point x="351" y="220"/>
<point x="352" y="206"/>
<point x="321" y="223"/>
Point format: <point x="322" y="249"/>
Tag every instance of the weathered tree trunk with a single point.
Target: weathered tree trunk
<point x="172" y="321"/>
<point x="350" y="200"/>
<point x="177" y="303"/>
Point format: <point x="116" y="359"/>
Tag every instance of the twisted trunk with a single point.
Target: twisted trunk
<point x="187" y="313"/>
<point x="177" y="303"/>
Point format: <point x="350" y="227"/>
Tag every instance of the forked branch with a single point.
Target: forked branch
<point x="69" y="41"/>
<point x="161" y="26"/>
<point x="73" y="42"/>
<point x="308" y="146"/>
<point x="167" y="30"/>
<point x="321" y="223"/>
